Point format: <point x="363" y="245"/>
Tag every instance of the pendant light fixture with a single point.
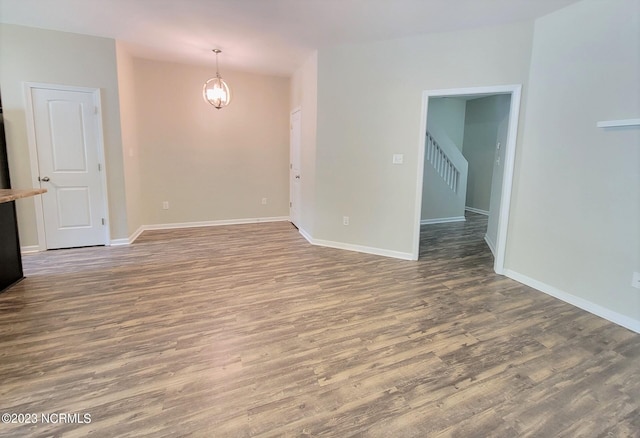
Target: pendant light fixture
<point x="215" y="90"/>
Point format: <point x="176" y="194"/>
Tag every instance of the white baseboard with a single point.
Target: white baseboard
<point x="217" y="223"/>
<point x="136" y="234"/>
<point x="477" y="210"/>
<point x="596" y="309"/>
<point x="119" y="242"/>
<point x="129" y="240"/>
<point x="29" y="249"/>
<point x="306" y="235"/>
<point x="490" y="244"/>
<point x="359" y="248"/>
<point x="442" y="220"/>
<point x="178" y="225"/>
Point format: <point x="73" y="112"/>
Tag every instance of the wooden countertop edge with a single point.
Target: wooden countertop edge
<point x="8" y="195"/>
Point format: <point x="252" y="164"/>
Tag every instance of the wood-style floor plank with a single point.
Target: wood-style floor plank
<point x="249" y="331"/>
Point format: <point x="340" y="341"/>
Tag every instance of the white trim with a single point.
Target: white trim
<point x="509" y="162"/>
<point x="356" y="248"/>
<point x="142" y="228"/>
<point x="617" y="123"/>
<point x="103" y="168"/>
<point x="306" y="235"/>
<point x="136" y="234"/>
<point x="477" y="210"/>
<point x="596" y="309"/>
<point x="415" y="253"/>
<point x="33" y="153"/>
<point x="129" y="240"/>
<point x="472" y="91"/>
<point x="490" y="244"/>
<point x="297" y="109"/>
<point x="507" y="181"/>
<point x="33" y="162"/>
<point x="360" y="248"/>
<point x="243" y="221"/>
<point x="442" y="220"/>
<point x="29" y="249"/>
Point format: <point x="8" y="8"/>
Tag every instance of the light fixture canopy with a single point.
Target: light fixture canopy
<point x="215" y="90"/>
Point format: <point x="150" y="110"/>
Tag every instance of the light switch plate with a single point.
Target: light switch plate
<point x="398" y="158"/>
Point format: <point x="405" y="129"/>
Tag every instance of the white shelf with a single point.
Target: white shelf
<point x="616" y="123"/>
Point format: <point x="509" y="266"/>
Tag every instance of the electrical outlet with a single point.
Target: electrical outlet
<point x="635" y="281"/>
<point x="264" y="201"/>
<point x="165" y="205"/>
<point x="345" y="220"/>
<point x="397" y="159"/>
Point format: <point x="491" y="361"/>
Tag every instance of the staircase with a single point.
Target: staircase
<point x="448" y="162"/>
<point x="444" y="185"/>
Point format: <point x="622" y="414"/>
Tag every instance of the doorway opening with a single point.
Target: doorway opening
<point x="444" y="166"/>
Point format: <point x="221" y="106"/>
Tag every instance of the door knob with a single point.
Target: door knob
<point x="297" y="176"/>
<point x="44" y="179"/>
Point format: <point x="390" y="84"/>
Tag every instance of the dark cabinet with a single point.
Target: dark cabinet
<point x="10" y="258"/>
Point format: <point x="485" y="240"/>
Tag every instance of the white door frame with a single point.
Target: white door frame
<point x="291" y="182"/>
<point x="33" y="153"/>
<point x="515" y="92"/>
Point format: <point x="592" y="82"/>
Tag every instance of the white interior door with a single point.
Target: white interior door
<point x="294" y="173"/>
<point x="67" y="139"/>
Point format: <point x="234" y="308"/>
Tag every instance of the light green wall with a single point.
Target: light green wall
<point x="448" y="114"/>
<point x="483" y="116"/>
<point x="576" y="219"/>
<point x="361" y="124"/>
<point x="438" y="200"/>
<point x="37" y="55"/>
<point x="210" y="164"/>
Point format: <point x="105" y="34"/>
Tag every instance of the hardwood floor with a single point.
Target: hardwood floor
<point x="248" y="330"/>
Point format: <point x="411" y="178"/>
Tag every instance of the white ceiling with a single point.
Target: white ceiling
<point x="266" y="36"/>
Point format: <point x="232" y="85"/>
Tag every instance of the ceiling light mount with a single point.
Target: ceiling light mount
<point x="215" y="90"/>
